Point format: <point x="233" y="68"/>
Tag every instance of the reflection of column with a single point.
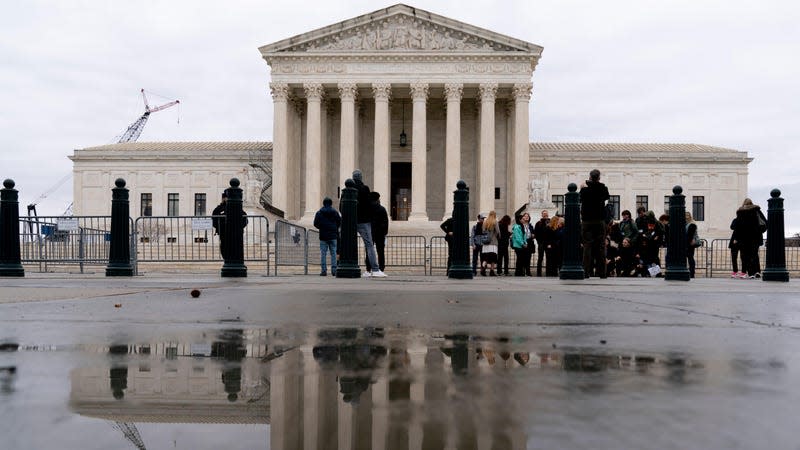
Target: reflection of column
<point x="488" y="92"/>
<point x="313" y="179"/>
<point x="280" y="146"/>
<point x="521" y="167"/>
<point x="380" y="415"/>
<point x="382" y="148"/>
<point x="452" y="163"/>
<point x="417" y="395"/>
<point x="419" y="150"/>
<point x="311" y="406"/>
<point x="286" y="430"/>
<point x="347" y="142"/>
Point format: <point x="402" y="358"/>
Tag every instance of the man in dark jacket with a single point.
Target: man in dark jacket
<point x="364" y="225"/>
<point x="447" y="226"/>
<point x="218" y="222"/>
<point x="327" y="221"/>
<point x="380" y="228"/>
<point x="594" y="195"/>
<point x="540" y="230"/>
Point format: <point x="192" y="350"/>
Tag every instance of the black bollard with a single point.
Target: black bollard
<point x="775" y="269"/>
<point x="572" y="267"/>
<point x="348" y="241"/>
<point x="10" y="262"/>
<point x="676" y="241"/>
<point x="119" y="255"/>
<point x="235" y="221"/>
<point x="460" y="265"/>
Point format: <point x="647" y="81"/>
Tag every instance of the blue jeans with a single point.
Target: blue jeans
<point x="324" y="246"/>
<point x="365" y="231"/>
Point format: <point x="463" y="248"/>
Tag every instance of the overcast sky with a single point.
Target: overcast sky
<point x="722" y="73"/>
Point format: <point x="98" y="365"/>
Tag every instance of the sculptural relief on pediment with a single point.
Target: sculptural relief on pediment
<point x="401" y="33"/>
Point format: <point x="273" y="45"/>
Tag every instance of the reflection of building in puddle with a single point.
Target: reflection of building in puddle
<point x="175" y="383"/>
<point x="354" y="388"/>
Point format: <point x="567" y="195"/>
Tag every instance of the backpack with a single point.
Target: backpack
<point x="695" y="238"/>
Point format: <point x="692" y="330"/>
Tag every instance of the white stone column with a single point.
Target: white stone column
<point x="521" y="167"/>
<point x="382" y="148"/>
<point x="280" y="146"/>
<point x="347" y="141"/>
<point x="452" y="159"/>
<point x="488" y="92"/>
<point x="419" y="153"/>
<point x="314" y="92"/>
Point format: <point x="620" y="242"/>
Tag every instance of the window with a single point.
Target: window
<point x="497" y="193"/>
<point x="699" y="208"/>
<point x="666" y="204"/>
<point x="146" y="205"/>
<point x="558" y="200"/>
<point x="614" y="202"/>
<point x="199" y="204"/>
<point x="172" y="205"/>
<point x="641" y="200"/>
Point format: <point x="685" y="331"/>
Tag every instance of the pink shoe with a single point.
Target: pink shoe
<point x="741" y="275"/>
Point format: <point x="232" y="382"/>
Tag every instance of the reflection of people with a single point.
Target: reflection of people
<point x="327" y="221"/>
<point x="118" y="377"/>
<point x="231" y="348"/>
<point x="232" y="379"/>
<point x="522" y="358"/>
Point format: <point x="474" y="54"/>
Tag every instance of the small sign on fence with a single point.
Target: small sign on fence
<point x="70" y="224"/>
<point x="202" y="223"/>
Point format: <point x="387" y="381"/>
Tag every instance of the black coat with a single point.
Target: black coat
<point x="327" y="221"/>
<point x="593" y="201"/>
<point x="746" y="230"/>
<point x="380" y="222"/>
<point x="364" y="211"/>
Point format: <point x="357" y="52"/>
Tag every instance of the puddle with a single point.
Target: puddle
<point x="386" y="388"/>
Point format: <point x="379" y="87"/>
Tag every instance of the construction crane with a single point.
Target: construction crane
<point x="32" y="206"/>
<point x="135" y="129"/>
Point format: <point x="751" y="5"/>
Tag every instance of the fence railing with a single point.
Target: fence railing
<point x="49" y="241"/>
<point x="85" y="240"/>
<point x="180" y="239"/>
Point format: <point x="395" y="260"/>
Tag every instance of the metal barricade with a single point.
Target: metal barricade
<point x="291" y="245"/>
<point x="54" y="241"/>
<point x="191" y="239"/>
<point x="720" y="258"/>
<point x="437" y="254"/>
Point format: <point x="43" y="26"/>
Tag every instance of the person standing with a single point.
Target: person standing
<point x="364" y="225"/>
<point x="554" y="248"/>
<point x="489" y="250"/>
<point x="447" y="227"/>
<point x="750" y="226"/>
<point x="692" y="242"/>
<point x="502" y="245"/>
<point x="327" y="221"/>
<point x="733" y="245"/>
<point x="380" y="228"/>
<point x="540" y="230"/>
<point x="594" y="195"/>
<point x="476" y="241"/>
<point x="218" y="221"/>
<point x="521" y="241"/>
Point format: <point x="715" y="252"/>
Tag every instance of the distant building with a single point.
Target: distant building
<point x="416" y="101"/>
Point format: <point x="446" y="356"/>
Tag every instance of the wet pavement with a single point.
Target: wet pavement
<point x="400" y="363"/>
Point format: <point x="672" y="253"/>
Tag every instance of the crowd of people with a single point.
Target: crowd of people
<point x="623" y="248"/>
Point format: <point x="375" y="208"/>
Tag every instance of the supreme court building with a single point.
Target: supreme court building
<point x="416" y="101"/>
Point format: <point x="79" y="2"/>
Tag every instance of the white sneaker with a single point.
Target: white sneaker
<point x="366" y="275"/>
<point x="378" y="273"/>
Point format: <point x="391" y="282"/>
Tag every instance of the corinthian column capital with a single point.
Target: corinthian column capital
<point x="419" y="91"/>
<point x="382" y="91"/>
<point x="280" y="91"/>
<point x="348" y="91"/>
<point x="314" y="91"/>
<point x="488" y="91"/>
<point x="522" y="91"/>
<point x="453" y="91"/>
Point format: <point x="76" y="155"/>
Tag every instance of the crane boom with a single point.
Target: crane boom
<point x="135" y="129"/>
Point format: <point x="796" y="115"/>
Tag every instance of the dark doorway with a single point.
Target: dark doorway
<point x="401" y="190"/>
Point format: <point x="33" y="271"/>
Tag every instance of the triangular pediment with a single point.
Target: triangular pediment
<point x="400" y="28"/>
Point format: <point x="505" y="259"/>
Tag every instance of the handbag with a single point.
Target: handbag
<point x="762" y="223"/>
<point x="485" y="239"/>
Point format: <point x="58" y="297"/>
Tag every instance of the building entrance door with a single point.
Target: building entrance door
<point x="401" y="190"/>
